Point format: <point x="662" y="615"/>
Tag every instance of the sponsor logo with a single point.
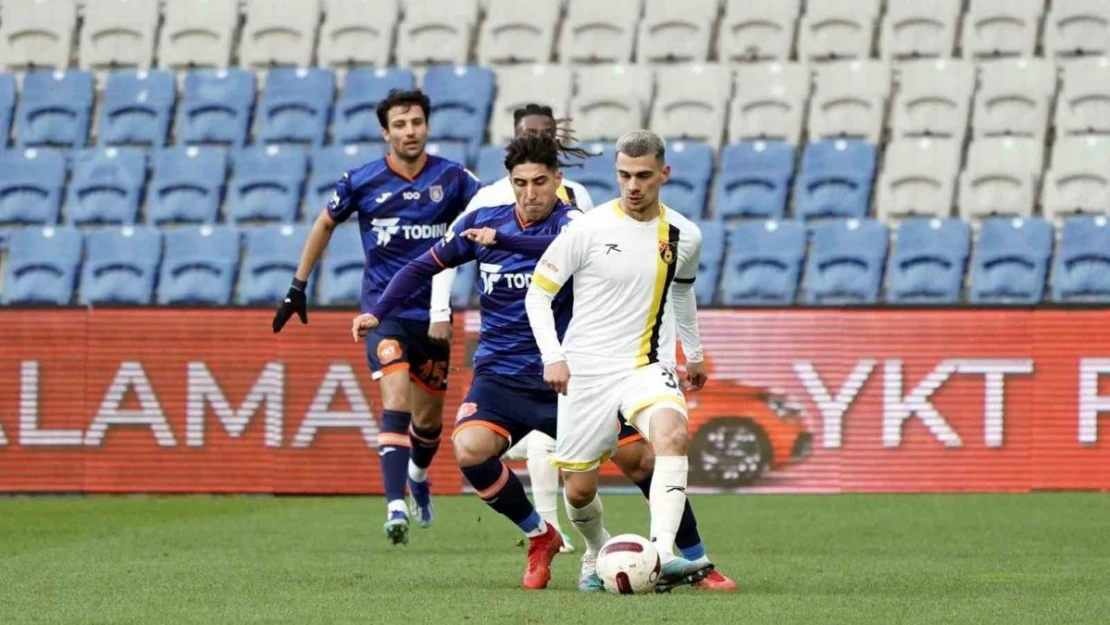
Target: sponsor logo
<point x="389" y="350"/>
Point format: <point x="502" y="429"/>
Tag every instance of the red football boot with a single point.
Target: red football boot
<point x="541" y="551"/>
<point x="718" y="582"/>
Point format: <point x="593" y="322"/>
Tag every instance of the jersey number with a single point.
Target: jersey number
<point x="433" y="373"/>
<point x="670" y="382"/>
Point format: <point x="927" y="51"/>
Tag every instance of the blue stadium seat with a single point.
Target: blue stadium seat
<point x="121" y="266"/>
<point x="835" y="180"/>
<point x="296" y="105"/>
<point x="1010" y="264"/>
<point x="598" y="173"/>
<point x="107" y="186"/>
<point x="355" y="119"/>
<point x="31" y="183"/>
<point x="272" y="253"/>
<point x="846" y="263"/>
<point x="712" y="257"/>
<point x="328" y="165"/>
<point x="763" y="263"/>
<point x="342" y="267"/>
<point x="1082" y="272"/>
<point x="54" y="109"/>
<point x="199" y="265"/>
<point x="928" y="263"/>
<point x="267" y="183"/>
<point x="137" y="109"/>
<point x="461" y="101"/>
<point x="755" y="180"/>
<point x="464" y="293"/>
<point x="691" y="170"/>
<point x="42" y="266"/>
<point x="187" y="185"/>
<point x="491" y="164"/>
<point x="216" y="107"/>
<point x="7" y="107"/>
<point x="450" y="150"/>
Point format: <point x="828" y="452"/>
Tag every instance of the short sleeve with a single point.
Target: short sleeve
<point x="454" y="249"/>
<point x="563" y="257"/>
<point x="688" y="266"/>
<point x="342" y="202"/>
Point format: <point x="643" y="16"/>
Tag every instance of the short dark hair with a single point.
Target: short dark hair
<point x="546" y="111"/>
<point x="533" y="148"/>
<point x="642" y="143"/>
<point x="405" y="98"/>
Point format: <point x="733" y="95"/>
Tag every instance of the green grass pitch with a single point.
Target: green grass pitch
<point x="799" y="559"/>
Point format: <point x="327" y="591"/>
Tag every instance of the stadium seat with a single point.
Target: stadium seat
<point x="355" y="119"/>
<point x="1078" y="179"/>
<point x="835" y="180"/>
<point x="612" y="99"/>
<point x="599" y="32"/>
<point x="1001" y="177"/>
<point x="518" y="85"/>
<point x="42" y="266"/>
<point x="54" y="109"/>
<point x="1083" y="105"/>
<point x="837" y="29"/>
<point x="1081" y="272"/>
<point x="934" y="99"/>
<point x="271" y="255"/>
<point x="279" y="33"/>
<point x="434" y="32"/>
<point x="198" y="33"/>
<point x="1014" y="98"/>
<point x="137" y="108"/>
<point x="461" y="101"/>
<point x="295" y="106"/>
<point x="266" y="184"/>
<point x="32" y="37"/>
<point x="692" y="102"/>
<point x="710" y="262"/>
<point x="347" y="38"/>
<point x="491" y="164"/>
<point x="518" y="32"/>
<point x="928" y="262"/>
<point x="758" y="30"/>
<point x="199" y="266"/>
<point x="754" y="180"/>
<point x="463" y="292"/>
<point x="846" y="263"/>
<point x="187" y="185"/>
<point x="328" y="166"/>
<point x="598" y="174"/>
<point x="107" y="186"/>
<point x="770" y="103"/>
<point x="999" y="28"/>
<point x="1077" y="28"/>
<point x="7" y="107"/>
<point x="679" y="32"/>
<point x="1010" y="262"/>
<point x="763" y="263"/>
<point x="31" y="183"/>
<point x="118" y="33"/>
<point x="216" y="107"/>
<point x="342" y="267"/>
<point x="121" y="266"/>
<point x="691" y="170"/>
<point x="850" y="101"/>
<point x="451" y="150"/>
<point x="912" y="30"/>
<point x="918" y="179"/>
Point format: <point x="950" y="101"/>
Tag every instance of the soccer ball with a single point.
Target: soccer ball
<point x="628" y="565"/>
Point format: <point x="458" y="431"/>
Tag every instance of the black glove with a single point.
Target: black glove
<point x="294" y="302"/>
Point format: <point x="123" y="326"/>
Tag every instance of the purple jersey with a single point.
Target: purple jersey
<point x="400" y="219"/>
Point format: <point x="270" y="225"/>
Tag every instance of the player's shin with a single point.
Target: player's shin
<point x="499" y="487"/>
<point x="586" y="517"/>
<point x="425" y="444"/>
<point x="667" y="502"/>
<point x="544" y="476"/>
<point x="393" y="448"/>
<point x="687" y="539"/>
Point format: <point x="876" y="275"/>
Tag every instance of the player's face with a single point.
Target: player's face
<point x="541" y="124"/>
<point x="640" y="178"/>
<point x="536" y="188"/>
<point x="407" y="132"/>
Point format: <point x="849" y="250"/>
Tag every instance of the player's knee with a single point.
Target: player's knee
<point x="668" y="433"/>
<point x="427" y="415"/>
<point x="578" y="489"/>
<point x="474" y="446"/>
<point x="636" y="461"/>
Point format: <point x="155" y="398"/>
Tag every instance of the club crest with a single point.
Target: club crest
<point x="667" y="251"/>
<point x="436" y="193"/>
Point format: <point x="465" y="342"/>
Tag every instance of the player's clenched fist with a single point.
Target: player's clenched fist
<point x="556" y="375"/>
<point x="361" y="326"/>
<point x="696" y="375"/>
<point x="486" y="237"/>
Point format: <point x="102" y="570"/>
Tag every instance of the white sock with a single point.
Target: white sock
<point x="668" y="500"/>
<point x="417" y="474"/>
<point x="544" y="476"/>
<point x="589" y="523"/>
<point x="397" y="505"/>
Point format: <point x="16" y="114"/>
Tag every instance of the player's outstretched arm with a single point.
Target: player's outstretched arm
<point x="686" y="315"/>
<point x="295" y="299"/>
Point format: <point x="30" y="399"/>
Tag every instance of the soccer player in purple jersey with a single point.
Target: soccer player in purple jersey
<point x="404" y="203"/>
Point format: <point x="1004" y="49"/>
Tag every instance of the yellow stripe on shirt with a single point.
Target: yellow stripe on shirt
<point x="667" y="236"/>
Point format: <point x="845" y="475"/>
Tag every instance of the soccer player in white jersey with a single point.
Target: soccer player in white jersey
<point x="633" y="262"/>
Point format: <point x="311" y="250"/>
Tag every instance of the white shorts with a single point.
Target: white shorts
<point x="589" y="412"/>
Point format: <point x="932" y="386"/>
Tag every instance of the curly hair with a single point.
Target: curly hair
<point x="564" y="146"/>
<point x="533" y="147"/>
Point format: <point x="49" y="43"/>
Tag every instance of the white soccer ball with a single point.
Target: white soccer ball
<point x="628" y="565"/>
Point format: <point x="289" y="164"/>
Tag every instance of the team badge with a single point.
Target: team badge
<point x="667" y="251"/>
<point x="436" y="193"/>
<point x="466" y="410"/>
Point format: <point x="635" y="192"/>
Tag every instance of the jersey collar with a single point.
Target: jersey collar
<point x="397" y="171"/>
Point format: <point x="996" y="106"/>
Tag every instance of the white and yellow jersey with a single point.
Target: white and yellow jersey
<point x="623" y="271"/>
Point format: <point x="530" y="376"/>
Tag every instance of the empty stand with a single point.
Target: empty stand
<point x="1077" y="28"/>
<point x="691" y="170"/>
<point x="1078" y="178"/>
<point x="266" y="184"/>
<point x="197" y="33"/>
<point x="912" y="29"/>
<point x="31" y="183"/>
<point x="1081" y="272"/>
<point x="271" y="255"/>
<point x="491" y="164"/>
<point x="518" y="32"/>
<point x="837" y="29"/>
<point x="347" y="38"/>
<point x="216" y="107"/>
<point x="928" y="262"/>
<point x="118" y="33"/>
<point x="355" y="118"/>
<point x="434" y="32"/>
<point x="328" y="166"/>
<point x="599" y="32"/>
<point x="999" y="28"/>
<point x="850" y="101"/>
<point x="295" y="106"/>
<point x="710" y="261"/>
<point x="107" y="186"/>
<point x="461" y="101"/>
<point x="846" y="262"/>
<point x="121" y="266"/>
<point x="42" y="266"/>
<point x="199" y="266"/>
<point x="279" y="33"/>
<point x="54" y="109"/>
<point x="35" y="33"/>
<point x="187" y="185"/>
<point x="758" y="30"/>
<point x="676" y="31"/>
<point x="934" y="99"/>
<point x="692" y="102"/>
<point x="550" y="85"/>
<point x="754" y="180"/>
<point x="835" y="180"/>
<point x="598" y="174"/>
<point x="137" y="108"/>
<point x="918" y="178"/>
<point x="1083" y="104"/>
<point x="1001" y="177"/>
<point x="763" y="263"/>
<point x="1010" y="262"/>
<point x="1014" y="98"/>
<point x="7" y="107"/>
<point x="612" y="100"/>
<point x="342" y="267"/>
<point x="771" y="102"/>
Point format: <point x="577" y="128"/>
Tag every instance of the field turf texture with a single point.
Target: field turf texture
<point x="1041" y="558"/>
